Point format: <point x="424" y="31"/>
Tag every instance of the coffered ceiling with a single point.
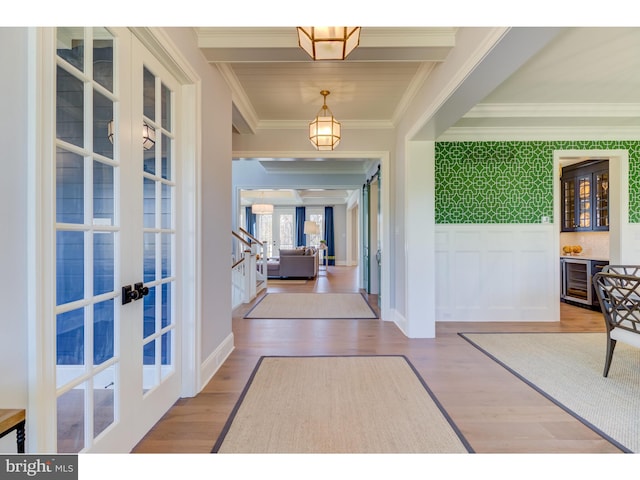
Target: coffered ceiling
<point x="584" y="79"/>
<point x="275" y="84"/>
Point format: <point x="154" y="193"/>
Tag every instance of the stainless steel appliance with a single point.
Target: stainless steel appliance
<point x="577" y="280"/>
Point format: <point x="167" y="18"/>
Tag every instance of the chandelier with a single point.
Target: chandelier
<point x="324" y="130"/>
<point x="261" y="208"/>
<point x="328" y="43"/>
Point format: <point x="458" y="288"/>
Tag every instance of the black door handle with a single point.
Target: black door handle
<point x="136" y="292"/>
<point x="141" y="289"/>
<point x="128" y="294"/>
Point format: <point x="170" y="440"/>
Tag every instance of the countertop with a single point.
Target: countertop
<point x="586" y="257"/>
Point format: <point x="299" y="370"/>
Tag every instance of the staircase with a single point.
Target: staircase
<point x="248" y="268"/>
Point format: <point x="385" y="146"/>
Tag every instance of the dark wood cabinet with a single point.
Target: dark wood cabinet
<point x="585" y="196"/>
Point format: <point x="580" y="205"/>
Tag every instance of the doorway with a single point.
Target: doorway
<point x="276" y="230"/>
<point x="372" y="235"/>
<point x="618" y="198"/>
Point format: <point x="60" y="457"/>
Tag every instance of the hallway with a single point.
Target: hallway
<point x="495" y="411"/>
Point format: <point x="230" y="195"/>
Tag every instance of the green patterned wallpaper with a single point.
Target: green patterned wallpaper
<point x="511" y="182"/>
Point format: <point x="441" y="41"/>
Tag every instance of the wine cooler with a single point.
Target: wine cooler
<point x="576" y="280"/>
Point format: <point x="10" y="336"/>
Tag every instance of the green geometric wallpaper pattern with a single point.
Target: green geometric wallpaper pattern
<point x="511" y="182"/>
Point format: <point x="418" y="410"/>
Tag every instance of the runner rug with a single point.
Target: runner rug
<point x="567" y="368"/>
<point x="312" y="305"/>
<point x="336" y="404"/>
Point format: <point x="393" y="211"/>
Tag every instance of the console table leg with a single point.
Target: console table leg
<point x="20" y="437"/>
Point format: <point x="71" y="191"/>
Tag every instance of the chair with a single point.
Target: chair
<point x="633" y="270"/>
<point x="619" y="297"/>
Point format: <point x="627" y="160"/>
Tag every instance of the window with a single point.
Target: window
<point x="316" y="215"/>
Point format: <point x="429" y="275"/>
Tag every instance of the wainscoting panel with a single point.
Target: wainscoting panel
<point x="468" y="292"/>
<point x="631" y="245"/>
<point x="502" y="293"/>
<point x="502" y="272"/>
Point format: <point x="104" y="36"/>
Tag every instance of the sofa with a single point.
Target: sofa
<point x="294" y="263"/>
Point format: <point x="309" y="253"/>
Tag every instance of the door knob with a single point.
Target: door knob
<point x="141" y="289"/>
<point x="129" y="294"/>
<point x="136" y="292"/>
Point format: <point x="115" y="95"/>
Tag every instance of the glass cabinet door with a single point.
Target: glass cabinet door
<point x="583" y="202"/>
<point x="585" y="196"/>
<point x="601" y="207"/>
<point x="568" y="204"/>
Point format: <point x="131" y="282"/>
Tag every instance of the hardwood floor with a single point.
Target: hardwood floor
<point x="495" y="411"/>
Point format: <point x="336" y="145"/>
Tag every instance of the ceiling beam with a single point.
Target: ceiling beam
<point x="280" y="44"/>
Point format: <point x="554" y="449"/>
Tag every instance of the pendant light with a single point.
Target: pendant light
<point x="328" y="43"/>
<point x="324" y="130"/>
<point x="262" y="208"/>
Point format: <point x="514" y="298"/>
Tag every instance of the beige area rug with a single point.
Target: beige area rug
<point x="567" y="368"/>
<point x="351" y="404"/>
<point x="312" y="305"/>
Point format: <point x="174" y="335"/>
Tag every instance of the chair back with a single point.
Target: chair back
<point x="633" y="270"/>
<point x="619" y="297"/>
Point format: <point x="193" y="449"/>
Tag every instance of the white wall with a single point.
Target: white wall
<point x="13" y="235"/>
<point x="215" y="207"/>
<point x="406" y="188"/>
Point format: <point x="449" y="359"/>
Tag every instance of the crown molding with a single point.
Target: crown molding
<point x="156" y="40"/>
<point x="309" y="154"/>
<point x="479" y="134"/>
<point x="286" y="37"/>
<point x="239" y="97"/>
<point x="542" y="110"/>
<point x="418" y="80"/>
<point x="246" y="37"/>
<point x="304" y="124"/>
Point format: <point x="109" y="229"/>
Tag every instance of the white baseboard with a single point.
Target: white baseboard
<point x="399" y="320"/>
<point x="214" y="361"/>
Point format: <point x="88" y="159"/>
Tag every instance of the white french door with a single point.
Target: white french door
<point x="283" y="228"/>
<point x="277" y="229"/>
<point x="116" y="332"/>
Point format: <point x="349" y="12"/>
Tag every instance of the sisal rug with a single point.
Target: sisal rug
<point x="312" y="305"/>
<point x="567" y="368"/>
<point x="338" y="404"/>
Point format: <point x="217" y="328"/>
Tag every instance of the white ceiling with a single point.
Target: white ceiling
<point x="585" y="77"/>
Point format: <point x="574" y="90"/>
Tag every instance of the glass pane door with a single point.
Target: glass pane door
<point x="583" y="201"/>
<point x="317" y="216"/>
<point x="264" y="229"/>
<point x="117" y="354"/>
<point x="283" y="228"/>
<point x="87" y="238"/>
<point x="158" y="332"/>
<point x="601" y="180"/>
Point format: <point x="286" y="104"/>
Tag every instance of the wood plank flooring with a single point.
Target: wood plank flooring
<point x="496" y="412"/>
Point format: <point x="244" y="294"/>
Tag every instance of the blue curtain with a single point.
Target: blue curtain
<point x="328" y="235"/>
<point x="251" y="221"/>
<point x="301" y="238"/>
